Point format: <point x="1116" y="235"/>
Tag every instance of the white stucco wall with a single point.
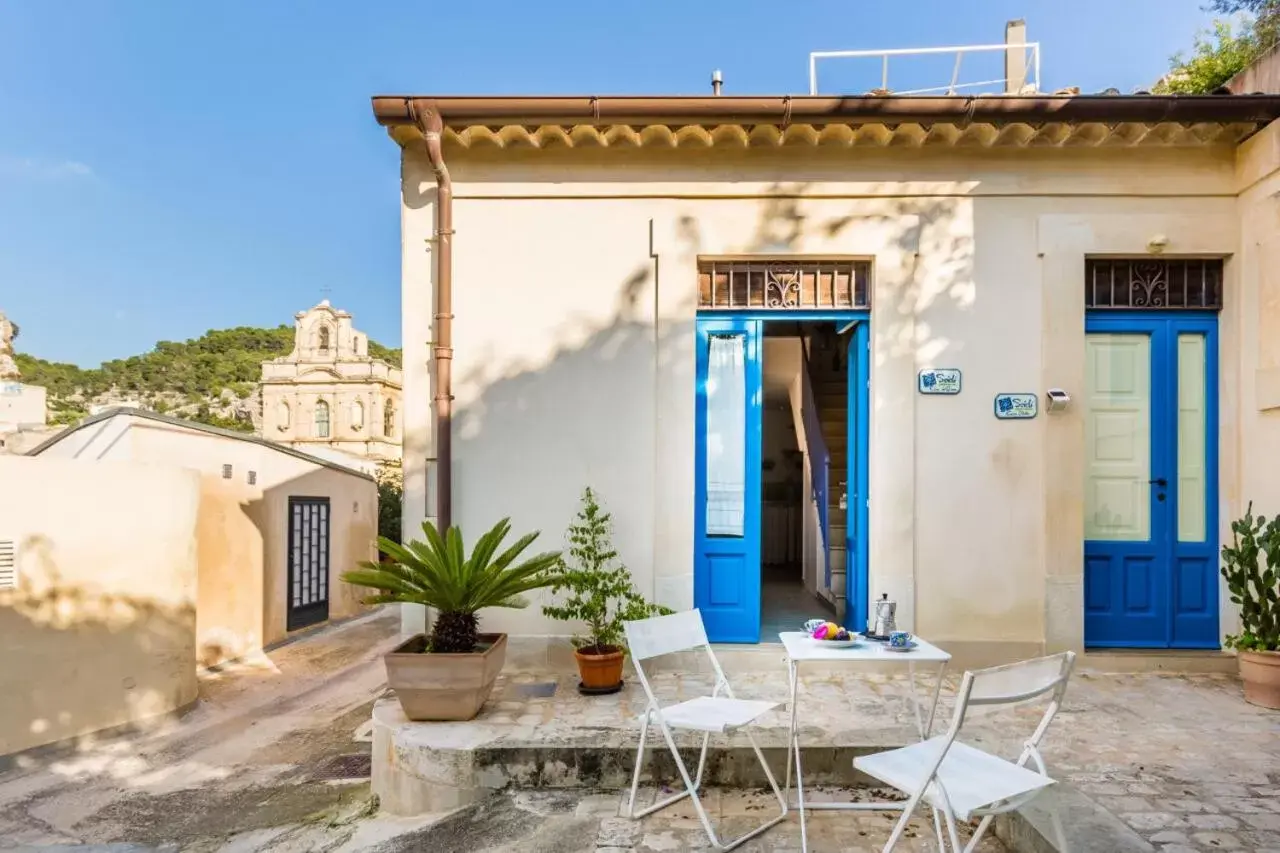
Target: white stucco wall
<point x="21" y="406"/>
<point x="243" y="527"/>
<point x="574" y="290"/>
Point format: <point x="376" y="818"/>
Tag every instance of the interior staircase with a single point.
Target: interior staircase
<point x="828" y="361"/>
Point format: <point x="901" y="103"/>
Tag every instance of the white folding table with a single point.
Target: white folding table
<point x="801" y="649"/>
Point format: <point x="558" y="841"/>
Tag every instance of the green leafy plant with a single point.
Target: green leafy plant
<point x="437" y="572"/>
<point x="1216" y="58"/>
<point x="1251" y="567"/>
<point x="390" y="479"/>
<point x="601" y="593"/>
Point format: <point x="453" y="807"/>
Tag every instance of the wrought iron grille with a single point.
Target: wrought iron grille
<point x="783" y="285"/>
<point x="1178" y="285"/>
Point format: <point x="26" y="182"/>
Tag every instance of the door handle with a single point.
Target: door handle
<point x="1159" y="481"/>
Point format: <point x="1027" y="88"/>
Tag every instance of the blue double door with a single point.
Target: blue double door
<point x="727" y="504"/>
<point x="1151" y="484"/>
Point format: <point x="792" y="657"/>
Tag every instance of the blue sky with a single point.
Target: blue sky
<point x="167" y="168"/>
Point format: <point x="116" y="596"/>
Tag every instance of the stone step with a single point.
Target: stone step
<point x="423" y="767"/>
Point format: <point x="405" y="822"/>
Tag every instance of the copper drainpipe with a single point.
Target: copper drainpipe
<point x="426" y="115"/>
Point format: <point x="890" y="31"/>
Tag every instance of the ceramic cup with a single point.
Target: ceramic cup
<point x="900" y="639"/>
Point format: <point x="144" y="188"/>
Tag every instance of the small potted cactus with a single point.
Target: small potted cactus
<point x="1251" y="567"/>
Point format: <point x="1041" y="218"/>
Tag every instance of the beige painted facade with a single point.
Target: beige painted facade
<point x="99" y="623"/>
<point x="584" y="374"/>
<point x="243" y="520"/>
<point x="21" y="405"/>
<point x="329" y="394"/>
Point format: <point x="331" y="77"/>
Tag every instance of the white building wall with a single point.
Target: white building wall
<point x="574" y="296"/>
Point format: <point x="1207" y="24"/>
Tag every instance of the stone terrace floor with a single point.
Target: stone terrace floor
<point x="579" y="822"/>
<point x="1180" y="759"/>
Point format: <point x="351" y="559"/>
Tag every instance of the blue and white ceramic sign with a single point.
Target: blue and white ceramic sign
<point x="10" y="389"/>
<point x="939" y="380"/>
<point x="1016" y="407"/>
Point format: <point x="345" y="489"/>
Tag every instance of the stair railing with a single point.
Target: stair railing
<point x="817" y="460"/>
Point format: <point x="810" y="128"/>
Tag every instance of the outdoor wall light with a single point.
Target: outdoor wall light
<point x="1056" y="399"/>
<point x="1157" y="244"/>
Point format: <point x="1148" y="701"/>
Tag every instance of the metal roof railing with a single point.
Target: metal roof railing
<point x="953" y="87"/>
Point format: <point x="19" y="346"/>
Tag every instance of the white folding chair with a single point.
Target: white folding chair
<point x="962" y="781"/>
<point x="661" y="635"/>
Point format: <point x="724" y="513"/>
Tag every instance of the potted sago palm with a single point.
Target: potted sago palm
<point x="600" y="595"/>
<point x="1251" y="567"/>
<point x="449" y="674"/>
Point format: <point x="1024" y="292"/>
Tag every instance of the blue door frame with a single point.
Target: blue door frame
<point x="727" y="573"/>
<point x="1162" y="593"/>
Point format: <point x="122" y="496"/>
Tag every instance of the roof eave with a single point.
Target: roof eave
<point x="393" y="110"/>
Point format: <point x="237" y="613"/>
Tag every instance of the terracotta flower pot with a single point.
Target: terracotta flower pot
<point x="1260" y="672"/>
<point x="444" y="686"/>
<point x="600" y="666"/>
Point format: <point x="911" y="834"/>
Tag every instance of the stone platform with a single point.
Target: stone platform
<point x="1146" y="759"/>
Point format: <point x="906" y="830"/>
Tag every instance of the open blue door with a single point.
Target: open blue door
<point x="1151" y="487"/>
<point x="726" y="569"/>
<point x="856" y="598"/>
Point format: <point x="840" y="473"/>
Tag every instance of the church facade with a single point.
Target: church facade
<point x="329" y="394"/>
<point x="23" y="408"/>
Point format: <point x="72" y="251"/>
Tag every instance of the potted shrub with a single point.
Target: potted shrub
<point x="600" y="594"/>
<point x="449" y="674"/>
<point x="1251" y="566"/>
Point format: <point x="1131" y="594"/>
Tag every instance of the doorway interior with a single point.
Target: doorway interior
<point x="781" y="462"/>
<point x="805" y="379"/>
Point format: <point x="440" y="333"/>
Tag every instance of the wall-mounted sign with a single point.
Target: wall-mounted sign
<point x="10" y="389"/>
<point x="939" y="380"/>
<point x="1013" y="407"/>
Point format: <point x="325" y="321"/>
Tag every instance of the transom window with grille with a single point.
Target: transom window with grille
<point x="1153" y="283"/>
<point x="783" y="285"/>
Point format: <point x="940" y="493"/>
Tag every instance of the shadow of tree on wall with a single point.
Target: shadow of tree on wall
<point x="81" y="660"/>
<point x="591" y="402"/>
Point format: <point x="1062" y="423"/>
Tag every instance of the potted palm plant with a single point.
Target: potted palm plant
<point x="1251" y="567"/>
<point x="449" y="674"/>
<point x="600" y="595"/>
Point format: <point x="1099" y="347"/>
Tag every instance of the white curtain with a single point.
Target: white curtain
<point x="726" y="435"/>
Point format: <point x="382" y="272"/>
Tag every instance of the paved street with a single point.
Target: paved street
<point x="268" y="762"/>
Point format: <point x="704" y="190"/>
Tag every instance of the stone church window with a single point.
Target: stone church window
<point x="389" y="419"/>
<point x="357" y="415"/>
<point x="322" y="419"/>
<point x="324" y="339"/>
<point x="284" y="416"/>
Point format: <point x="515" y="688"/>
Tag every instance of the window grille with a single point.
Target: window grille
<point x="784" y="285"/>
<point x="253" y="478"/>
<point x="8" y="564"/>
<point x="226" y="472"/>
<point x="1147" y="283"/>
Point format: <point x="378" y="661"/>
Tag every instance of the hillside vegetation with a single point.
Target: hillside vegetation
<point x="212" y="378"/>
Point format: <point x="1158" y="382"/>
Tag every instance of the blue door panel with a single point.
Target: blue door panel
<point x="1161" y="593"/>
<point x="1097" y="586"/>
<point x="1140" y="582"/>
<point x="726" y="569"/>
<point x="856" y="511"/>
